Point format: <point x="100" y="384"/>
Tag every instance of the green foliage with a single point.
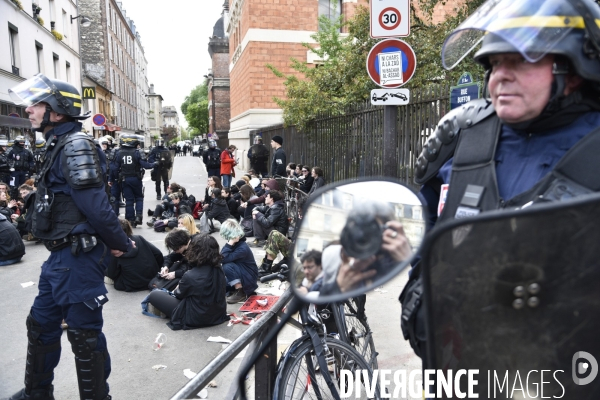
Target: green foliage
<point x="195" y="109"/>
<point x="342" y="78"/>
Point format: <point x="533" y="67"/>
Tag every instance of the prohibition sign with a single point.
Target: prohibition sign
<point x="99" y="119"/>
<point x="389" y="18"/>
<point x="409" y="60"/>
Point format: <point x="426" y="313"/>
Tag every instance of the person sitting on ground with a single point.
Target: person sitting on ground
<point x="269" y="217"/>
<point x="214" y="182"/>
<point x="164" y="204"/>
<point x="290" y="170"/>
<point x="199" y="299"/>
<point x="232" y="204"/>
<point x="317" y="174"/>
<point x="172" y="211"/>
<point x="307" y="179"/>
<point x="277" y="243"/>
<point x="12" y="248"/>
<point x="238" y="263"/>
<point x="216" y="212"/>
<point x="135" y="269"/>
<point x="266" y="186"/>
<point x="298" y="171"/>
<point x="245" y="209"/>
<point x="313" y="272"/>
<point x="175" y="263"/>
<point x="23" y="219"/>
<point x="186" y="221"/>
<point x="8" y="206"/>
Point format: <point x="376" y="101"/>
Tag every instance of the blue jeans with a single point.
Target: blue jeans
<point x="9" y="262"/>
<point x="226" y="180"/>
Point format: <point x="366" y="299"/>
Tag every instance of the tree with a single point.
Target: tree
<point x="195" y="109"/>
<point x="169" y="133"/>
<point x="341" y="79"/>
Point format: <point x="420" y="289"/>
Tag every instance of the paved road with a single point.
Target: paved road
<point x="130" y="334"/>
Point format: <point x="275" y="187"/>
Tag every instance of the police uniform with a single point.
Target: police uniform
<point x="4" y="165"/>
<point x="474" y="162"/>
<point x="72" y="217"/>
<point x="212" y="159"/>
<point x="22" y="163"/>
<point x="129" y="166"/>
<point x="38" y="154"/>
<point x="163" y="163"/>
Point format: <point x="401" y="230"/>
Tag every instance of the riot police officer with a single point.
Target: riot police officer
<point x="38" y="154"/>
<point x="22" y="163"/>
<point x="4" y="164"/>
<point x="212" y="159"/>
<point x="503" y="151"/>
<point x="72" y="217"/>
<point x="129" y="167"/>
<point x="163" y="159"/>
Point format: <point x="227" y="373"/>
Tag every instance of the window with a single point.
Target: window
<point x="330" y="8"/>
<point x="68" y="69"/>
<point x="110" y="50"/>
<point x="65" y="27"/>
<point x="417" y="213"/>
<point x="13" y="44"/>
<point x="301" y="245"/>
<point x="327" y="222"/>
<point x="39" y="50"/>
<point x="52" y="11"/>
<point x="56" y="66"/>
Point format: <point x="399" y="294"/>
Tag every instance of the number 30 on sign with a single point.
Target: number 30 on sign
<point x="389" y="18"/>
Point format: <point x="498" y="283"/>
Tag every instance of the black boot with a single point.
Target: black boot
<point x="138" y="221"/>
<point x="277" y="267"/>
<point x="45" y="393"/>
<point x="265" y="267"/>
<point x="89" y="363"/>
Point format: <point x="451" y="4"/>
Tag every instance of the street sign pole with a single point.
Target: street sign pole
<point x="390" y="140"/>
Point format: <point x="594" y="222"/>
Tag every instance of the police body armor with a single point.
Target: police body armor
<point x="4" y="168"/>
<point x="55" y="215"/>
<point x="129" y="165"/>
<point x="38" y="157"/>
<point x="514" y="293"/>
<point x="165" y="159"/>
<point x="21" y="158"/>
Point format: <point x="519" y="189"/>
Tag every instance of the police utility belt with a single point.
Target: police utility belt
<point x="79" y="242"/>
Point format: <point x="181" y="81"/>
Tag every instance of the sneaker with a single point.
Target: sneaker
<point x="167" y="229"/>
<point x="237" y="297"/>
<point x="158" y="197"/>
<point x="151" y="222"/>
<point x="257" y="243"/>
<point x="108" y="281"/>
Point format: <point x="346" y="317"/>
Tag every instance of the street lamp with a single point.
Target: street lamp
<point x="84" y="21"/>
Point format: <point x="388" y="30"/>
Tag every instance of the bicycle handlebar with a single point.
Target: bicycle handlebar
<point x="282" y="275"/>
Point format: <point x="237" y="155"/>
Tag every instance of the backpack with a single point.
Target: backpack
<point x="197" y="210"/>
<point x="214" y="160"/>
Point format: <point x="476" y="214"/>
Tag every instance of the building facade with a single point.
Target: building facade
<point x="170" y="119"/>
<point x="155" y="117"/>
<point x="38" y="36"/>
<point x="141" y="90"/>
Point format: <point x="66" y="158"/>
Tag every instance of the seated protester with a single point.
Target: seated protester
<point x="298" y="171"/>
<point x="172" y="211"/>
<point x="290" y="170"/>
<point x="317" y="174"/>
<point x="269" y="217"/>
<point x="8" y="207"/>
<point x="245" y="209"/>
<point x="199" y="299"/>
<point x="12" y="248"/>
<point x="174" y="264"/>
<point x="163" y="205"/>
<point x="270" y="184"/>
<point x="277" y="243"/>
<point x="232" y="204"/>
<point x="135" y="269"/>
<point x="214" y="182"/>
<point x="313" y="272"/>
<point x="187" y="222"/>
<point x="216" y="211"/>
<point x="307" y="179"/>
<point x="23" y="220"/>
<point x="238" y="263"/>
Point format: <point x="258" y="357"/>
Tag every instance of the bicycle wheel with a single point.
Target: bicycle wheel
<point x="301" y="378"/>
<point x="358" y="331"/>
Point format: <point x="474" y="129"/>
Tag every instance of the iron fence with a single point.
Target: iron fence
<point x="351" y="145"/>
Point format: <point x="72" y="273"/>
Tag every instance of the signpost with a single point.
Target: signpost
<point x="99" y="119"/>
<point x="391" y="63"/>
<point x="465" y="91"/>
<point x="390" y="18"/>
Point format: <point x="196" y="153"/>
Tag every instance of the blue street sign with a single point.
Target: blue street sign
<point x="465" y="91"/>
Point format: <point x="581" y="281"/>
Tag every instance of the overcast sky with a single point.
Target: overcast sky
<point x="175" y="38"/>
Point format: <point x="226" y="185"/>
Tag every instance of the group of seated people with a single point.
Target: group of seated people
<point x="15" y="222"/>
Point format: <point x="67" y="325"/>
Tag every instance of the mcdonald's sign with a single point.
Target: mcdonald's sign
<point x="89" y="92"/>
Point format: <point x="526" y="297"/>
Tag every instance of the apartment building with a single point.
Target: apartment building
<point x="170" y="119"/>
<point x="155" y="115"/>
<point x="141" y="89"/>
<point x="39" y="36"/>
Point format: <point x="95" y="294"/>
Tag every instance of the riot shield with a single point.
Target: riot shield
<point x="165" y="160"/>
<point x="516" y="295"/>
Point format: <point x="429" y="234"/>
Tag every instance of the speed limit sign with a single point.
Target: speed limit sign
<point x="389" y="18"/>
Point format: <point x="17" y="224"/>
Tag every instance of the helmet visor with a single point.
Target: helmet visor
<point x="30" y="92"/>
<point x="532" y="27"/>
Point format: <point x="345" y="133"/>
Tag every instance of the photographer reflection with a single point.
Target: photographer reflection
<point x="372" y="242"/>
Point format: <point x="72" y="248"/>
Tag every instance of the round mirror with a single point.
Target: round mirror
<point x="355" y="236"/>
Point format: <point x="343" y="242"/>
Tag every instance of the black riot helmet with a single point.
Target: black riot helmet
<point x="19" y="141"/>
<point x="60" y="97"/>
<point x="212" y="144"/>
<point x="129" y="140"/>
<point x="40" y="143"/>
<point x="160" y="142"/>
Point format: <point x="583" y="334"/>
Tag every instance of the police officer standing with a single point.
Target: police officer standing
<point x="212" y="159"/>
<point x="72" y="217"/>
<point x="259" y="155"/>
<point x="38" y="154"/>
<point x="128" y="164"/>
<point x="501" y="152"/>
<point x="161" y="157"/>
<point x="4" y="165"/>
<point x="22" y="163"/>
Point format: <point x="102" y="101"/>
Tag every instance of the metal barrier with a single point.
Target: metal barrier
<point x="265" y="369"/>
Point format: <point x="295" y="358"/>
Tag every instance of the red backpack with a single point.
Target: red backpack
<point x="197" y="210"/>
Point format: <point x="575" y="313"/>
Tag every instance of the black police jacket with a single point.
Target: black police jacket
<point x="11" y="244"/>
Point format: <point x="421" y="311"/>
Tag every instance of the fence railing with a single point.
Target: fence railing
<point x="351" y="145"/>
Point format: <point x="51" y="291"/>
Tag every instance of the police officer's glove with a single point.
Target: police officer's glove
<point x="155" y="164"/>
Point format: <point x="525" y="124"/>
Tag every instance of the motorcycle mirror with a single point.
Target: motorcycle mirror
<point x="363" y="232"/>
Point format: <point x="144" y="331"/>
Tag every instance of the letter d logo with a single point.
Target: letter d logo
<point x="580" y="368"/>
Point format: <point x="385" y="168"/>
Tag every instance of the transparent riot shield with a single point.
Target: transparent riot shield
<point x="516" y="295"/>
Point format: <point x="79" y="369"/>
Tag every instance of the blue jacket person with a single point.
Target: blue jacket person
<point x="72" y="216"/>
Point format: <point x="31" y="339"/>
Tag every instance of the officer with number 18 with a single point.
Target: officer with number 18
<point x="72" y="216"/>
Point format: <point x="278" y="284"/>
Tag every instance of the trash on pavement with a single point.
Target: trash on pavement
<point x="27" y="284"/>
<point x="218" y="339"/>
<point x="189" y="373"/>
<point x="158" y="366"/>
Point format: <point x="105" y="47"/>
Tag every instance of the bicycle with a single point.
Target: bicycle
<point x="301" y="369"/>
<point x="292" y="194"/>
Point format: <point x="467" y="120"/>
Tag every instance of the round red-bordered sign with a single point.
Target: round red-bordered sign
<point x="99" y="119"/>
<point x="384" y="13"/>
<point x="409" y="60"/>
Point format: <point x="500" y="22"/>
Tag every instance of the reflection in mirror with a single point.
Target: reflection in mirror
<point x="364" y="233"/>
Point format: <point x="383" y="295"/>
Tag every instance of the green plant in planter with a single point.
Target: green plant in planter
<point x="57" y="34"/>
<point x="40" y="20"/>
<point x="18" y="4"/>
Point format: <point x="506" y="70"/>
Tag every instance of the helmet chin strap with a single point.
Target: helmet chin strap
<point x="46" y="121"/>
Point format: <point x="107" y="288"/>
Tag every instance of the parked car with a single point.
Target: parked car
<point x="197" y="150"/>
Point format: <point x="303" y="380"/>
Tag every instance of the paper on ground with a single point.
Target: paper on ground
<point x="218" y="339"/>
<point x="189" y="373"/>
<point x="27" y="284"/>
